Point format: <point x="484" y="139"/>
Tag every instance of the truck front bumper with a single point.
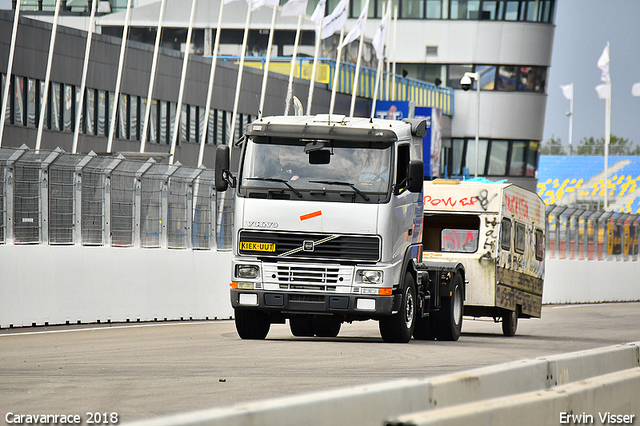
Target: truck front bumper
<point x="357" y="305"/>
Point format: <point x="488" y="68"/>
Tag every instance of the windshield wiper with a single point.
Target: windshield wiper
<point x="337" y="182"/>
<point x="295" y="191"/>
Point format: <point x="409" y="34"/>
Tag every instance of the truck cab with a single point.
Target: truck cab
<point x="327" y="225"/>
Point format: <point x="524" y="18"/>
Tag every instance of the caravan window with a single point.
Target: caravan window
<point x="520" y="237"/>
<point x="451" y="233"/>
<point x="505" y="234"/>
<point x="539" y="244"/>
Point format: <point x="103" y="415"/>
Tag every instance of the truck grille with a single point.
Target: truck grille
<point x="293" y="274"/>
<point x="287" y="245"/>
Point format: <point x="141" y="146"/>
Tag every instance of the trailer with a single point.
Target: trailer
<point x="497" y="231"/>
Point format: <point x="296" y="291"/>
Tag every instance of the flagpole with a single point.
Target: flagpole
<point x="393" y="66"/>
<point x="315" y="64"/>
<point x="376" y="87"/>
<point x="12" y="49"/>
<point x="356" y="77"/>
<point x="212" y="76"/>
<point x="152" y="77"/>
<point x="83" y="83"/>
<point x="571" y="122"/>
<point x="379" y="46"/>
<point x="607" y="132"/>
<point x="265" y="73"/>
<point x="388" y="63"/>
<point x="116" y="95"/>
<point x="239" y="81"/>
<point x="183" y="78"/>
<point x="336" y="74"/>
<point x="287" y="101"/>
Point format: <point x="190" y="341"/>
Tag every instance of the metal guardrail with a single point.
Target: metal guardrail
<point x="421" y="93"/>
<point x="574" y="233"/>
<point x="52" y="197"/>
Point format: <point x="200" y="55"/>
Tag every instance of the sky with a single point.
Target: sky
<point x="583" y="28"/>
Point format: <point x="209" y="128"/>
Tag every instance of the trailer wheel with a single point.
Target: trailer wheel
<point x="510" y="322"/>
<point x="326" y="327"/>
<point x="252" y="324"/>
<point x="450" y="316"/>
<point x="399" y="327"/>
<point x="301" y="327"/>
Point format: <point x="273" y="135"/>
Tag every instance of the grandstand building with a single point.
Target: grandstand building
<point x="509" y="42"/>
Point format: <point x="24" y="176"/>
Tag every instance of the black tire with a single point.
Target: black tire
<point x="450" y="315"/>
<point x="510" y="322"/>
<point x="326" y="327"/>
<point x="301" y="326"/>
<point x="399" y="327"/>
<point x="252" y="324"/>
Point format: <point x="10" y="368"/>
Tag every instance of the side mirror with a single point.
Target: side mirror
<point x="222" y="167"/>
<point x="416" y="176"/>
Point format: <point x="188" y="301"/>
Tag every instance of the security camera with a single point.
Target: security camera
<point x="465" y="82"/>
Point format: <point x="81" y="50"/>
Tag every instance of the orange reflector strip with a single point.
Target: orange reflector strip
<point x="385" y="291"/>
<point x="311" y="215"/>
<point x="234" y="284"/>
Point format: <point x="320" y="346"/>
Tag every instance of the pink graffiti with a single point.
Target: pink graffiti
<point x="449" y="202"/>
<point x="517" y="206"/>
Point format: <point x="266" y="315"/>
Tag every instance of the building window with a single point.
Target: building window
<point x="123" y="112"/>
<point x="56" y="106"/>
<point x="511" y="10"/>
<point x="68" y="108"/>
<point x="78" y="107"/>
<point x="102" y="113"/>
<point x="90" y="112"/>
<point x="32" y="103"/>
<point x="411" y="9"/>
<point x="134" y="128"/>
<point x="518" y="158"/>
<point x="465" y="9"/>
<point x="498" y="158"/>
<point x="470" y="158"/>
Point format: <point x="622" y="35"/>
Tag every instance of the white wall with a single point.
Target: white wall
<point x="581" y="281"/>
<point x="55" y="284"/>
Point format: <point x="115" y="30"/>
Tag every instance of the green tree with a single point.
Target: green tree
<point x="617" y="146"/>
<point x="553" y="146"/>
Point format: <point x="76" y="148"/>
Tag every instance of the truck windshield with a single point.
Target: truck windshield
<point x="328" y="165"/>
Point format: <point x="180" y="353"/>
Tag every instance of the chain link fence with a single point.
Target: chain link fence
<point x="52" y="197"/>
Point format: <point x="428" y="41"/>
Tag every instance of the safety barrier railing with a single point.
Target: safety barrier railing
<point x="57" y="198"/>
<point x="421" y="93"/>
<point x="575" y="233"/>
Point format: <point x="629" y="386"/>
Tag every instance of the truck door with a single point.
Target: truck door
<point x="404" y="202"/>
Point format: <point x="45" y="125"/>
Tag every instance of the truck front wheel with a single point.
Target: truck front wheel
<point x="398" y="328"/>
<point x="450" y="316"/>
<point x="252" y="324"/>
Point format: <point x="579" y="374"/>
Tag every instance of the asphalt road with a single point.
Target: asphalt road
<point x="145" y="370"/>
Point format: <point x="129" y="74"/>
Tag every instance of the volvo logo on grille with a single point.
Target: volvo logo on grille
<point x="260" y="224"/>
<point x="307" y="246"/>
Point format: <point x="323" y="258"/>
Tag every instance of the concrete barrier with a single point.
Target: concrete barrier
<point x="43" y="284"/>
<point x="534" y="380"/>
<point x="609" y="399"/>
<point x="584" y="281"/>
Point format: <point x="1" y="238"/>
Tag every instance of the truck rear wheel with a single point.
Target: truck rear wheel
<point x="510" y="322"/>
<point x="252" y="324"/>
<point x="450" y="316"/>
<point x="301" y="326"/>
<point x="326" y="327"/>
<point x="398" y="328"/>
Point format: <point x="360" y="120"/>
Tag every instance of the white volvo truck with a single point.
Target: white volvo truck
<point x="328" y="229"/>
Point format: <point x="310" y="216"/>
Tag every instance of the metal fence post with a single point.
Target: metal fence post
<point x="44" y="195"/>
<point x="9" y="192"/>
<point x="107" y="198"/>
<point x="137" y="211"/>
<point x="77" y="202"/>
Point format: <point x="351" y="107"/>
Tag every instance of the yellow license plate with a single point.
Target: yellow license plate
<point x="249" y="246"/>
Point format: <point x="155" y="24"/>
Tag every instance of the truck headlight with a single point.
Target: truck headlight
<point x="370" y="277"/>
<point x="247" y="271"/>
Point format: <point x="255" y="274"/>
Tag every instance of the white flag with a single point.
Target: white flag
<point x="229" y="1"/>
<point x="635" y="89"/>
<point x="318" y="12"/>
<point x="257" y="4"/>
<point x="603" y="64"/>
<point x="334" y="22"/>
<point x="381" y="34"/>
<point x="294" y="8"/>
<point x="567" y="91"/>
<point x="361" y="25"/>
<point x="603" y="91"/>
